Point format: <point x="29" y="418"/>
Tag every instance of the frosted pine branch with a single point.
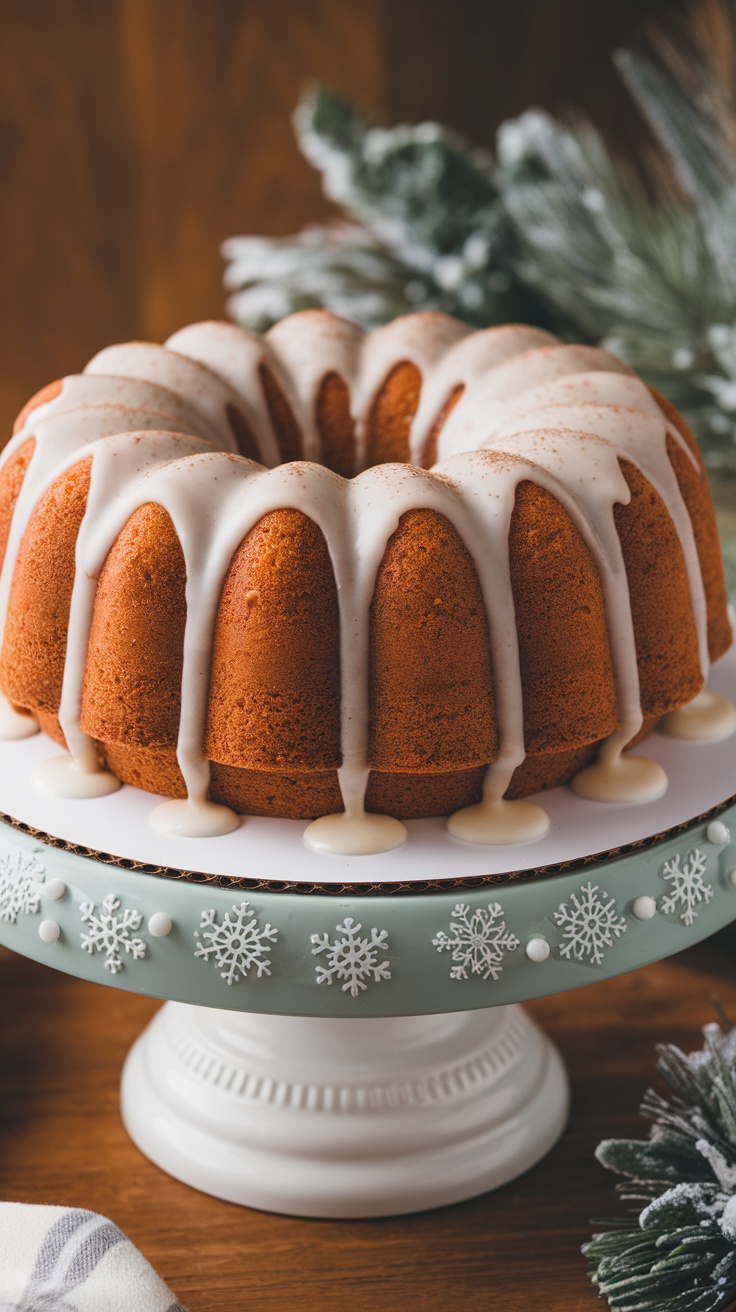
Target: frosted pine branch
<point x="555" y="232"/>
<point x="679" y="1251"/>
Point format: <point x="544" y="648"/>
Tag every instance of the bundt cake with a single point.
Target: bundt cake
<point x="364" y="577"/>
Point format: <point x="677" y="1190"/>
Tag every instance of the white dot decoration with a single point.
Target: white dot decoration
<point x="718" y="833"/>
<point x="537" y="949"/>
<point x="49" y="931"/>
<point x="731" y="877"/>
<point x="644" y="907"/>
<point x="54" y="889"/>
<point x="159" y="924"/>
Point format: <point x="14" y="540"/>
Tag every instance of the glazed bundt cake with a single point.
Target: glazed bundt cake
<point x="327" y="573"/>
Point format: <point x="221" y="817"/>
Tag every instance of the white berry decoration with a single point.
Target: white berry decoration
<point x="159" y="924"/>
<point x="21" y="873"/>
<point x="688" y="887"/>
<point x="238" y="945"/>
<point x="54" y="889"/>
<point x="49" y="931"/>
<point x="352" y="958"/>
<point x="477" y="940"/>
<point x="644" y="907"/>
<point x="537" y="949"/>
<point x="718" y="834"/>
<point x="591" y="922"/>
<point x="110" y="932"/>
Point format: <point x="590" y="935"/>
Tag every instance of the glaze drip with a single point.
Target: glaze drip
<point x="193" y="818"/>
<point x="498" y="823"/>
<point x="706" y="719"/>
<point x="73" y="778"/>
<point x="16" y="725"/>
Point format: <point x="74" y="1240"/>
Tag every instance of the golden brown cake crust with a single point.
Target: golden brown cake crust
<point x="34" y="644"/>
<point x="11" y="480"/>
<point x="336" y="425"/>
<point x="242" y="431"/>
<point x="132" y="682"/>
<point x="429" y="456"/>
<point x="661" y="609"/>
<point x="391" y="414"/>
<point x="566" y="671"/>
<point x="47" y="393"/>
<point x="430" y="675"/>
<point x="282" y="418"/>
<point x="275" y="683"/>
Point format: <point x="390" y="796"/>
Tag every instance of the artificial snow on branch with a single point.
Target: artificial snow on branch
<point x="677" y="1251"/>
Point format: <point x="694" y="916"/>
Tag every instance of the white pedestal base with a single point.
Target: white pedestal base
<point x="344" y="1118"/>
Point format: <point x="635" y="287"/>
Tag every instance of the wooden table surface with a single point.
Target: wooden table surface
<point x="62" y="1044"/>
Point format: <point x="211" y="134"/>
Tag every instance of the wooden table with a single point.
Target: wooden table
<point x="62" y="1044"/>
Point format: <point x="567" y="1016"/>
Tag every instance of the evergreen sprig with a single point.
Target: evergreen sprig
<point x="652" y="280"/>
<point x="677" y="1253"/>
<point x="429" y="229"/>
<point x="555" y="231"/>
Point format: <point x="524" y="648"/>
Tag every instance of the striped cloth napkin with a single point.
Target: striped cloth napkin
<point x="62" y="1259"/>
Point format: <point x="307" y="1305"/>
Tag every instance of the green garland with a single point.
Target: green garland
<point x="679" y="1255"/>
<point x="554" y="232"/>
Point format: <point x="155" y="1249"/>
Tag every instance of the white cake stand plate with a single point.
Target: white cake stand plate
<point x="330" y="1117"/>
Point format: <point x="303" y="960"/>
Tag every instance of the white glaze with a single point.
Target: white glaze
<point x="77" y="390"/>
<point x="204" y="391"/>
<point x="471" y="420"/>
<point x="531" y="408"/>
<point x="61" y="441"/>
<point x="707" y="718"/>
<point x="193" y="818"/>
<point x="63" y="776"/>
<point x="310" y="348"/>
<point x="498" y="822"/>
<point x="363" y="834"/>
<point x="15" y="725"/>
<point x="640" y="439"/>
<point x="465" y="365"/>
<point x="617" y="778"/>
<point x="236" y="356"/>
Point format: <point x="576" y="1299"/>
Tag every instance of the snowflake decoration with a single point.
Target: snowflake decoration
<point x="238" y="945"/>
<point x="352" y="958"/>
<point x="477" y="940"/>
<point x="687" y="885"/>
<point x="20" y="874"/>
<point x="590" y="921"/>
<point x="110" y="932"/>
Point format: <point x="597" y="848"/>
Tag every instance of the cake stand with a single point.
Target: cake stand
<point x="343" y="1036"/>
